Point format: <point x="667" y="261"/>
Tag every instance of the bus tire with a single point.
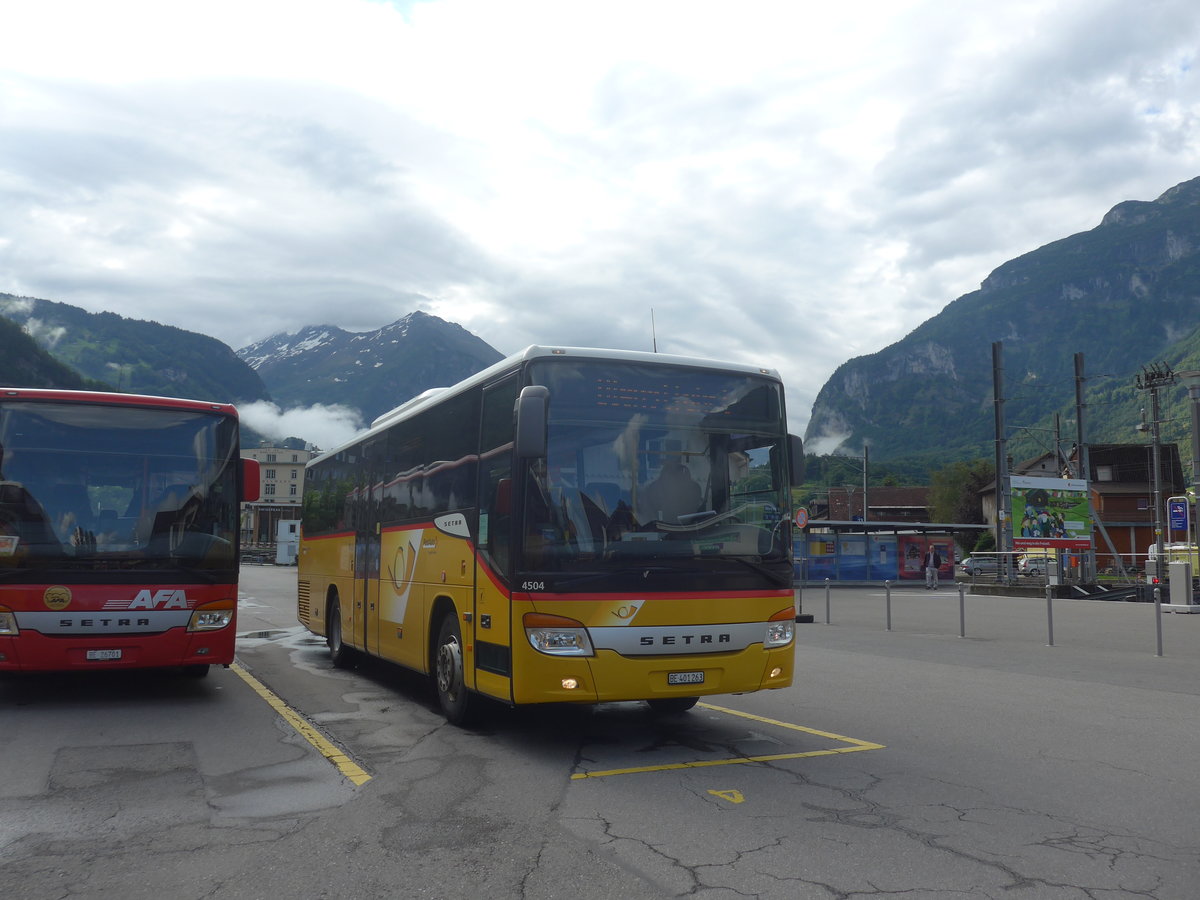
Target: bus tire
<point x="341" y="655"/>
<point x="449" y="681"/>
<point x="666" y="706"/>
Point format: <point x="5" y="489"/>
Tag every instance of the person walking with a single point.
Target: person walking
<point x="933" y="562"/>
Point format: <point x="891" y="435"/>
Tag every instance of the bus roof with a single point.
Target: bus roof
<point x="534" y="351"/>
<point x="114" y="399"/>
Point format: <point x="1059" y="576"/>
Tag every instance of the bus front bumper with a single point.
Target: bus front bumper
<point x="610" y="677"/>
<point x="31" y="651"/>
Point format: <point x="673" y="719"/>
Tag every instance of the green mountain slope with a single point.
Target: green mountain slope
<point x="1124" y="294"/>
<point x="135" y="355"/>
<point x="24" y="364"/>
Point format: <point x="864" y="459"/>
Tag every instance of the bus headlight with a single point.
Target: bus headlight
<point x="781" y="628"/>
<point x="212" y="616"/>
<point x="8" y="622"/>
<point x="557" y="635"/>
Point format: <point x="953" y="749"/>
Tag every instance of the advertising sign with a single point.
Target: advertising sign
<point x="1050" y="512"/>
<point x="911" y="553"/>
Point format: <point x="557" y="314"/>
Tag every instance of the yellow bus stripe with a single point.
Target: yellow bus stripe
<point x="856" y="746"/>
<point x="343" y="763"/>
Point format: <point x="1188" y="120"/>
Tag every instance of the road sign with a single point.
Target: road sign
<point x="801" y="517"/>
<point x="1177" y="514"/>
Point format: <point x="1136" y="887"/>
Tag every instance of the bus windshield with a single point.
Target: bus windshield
<point x="647" y="463"/>
<point x="88" y="487"/>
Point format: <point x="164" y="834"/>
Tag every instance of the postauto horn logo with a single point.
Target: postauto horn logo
<point x="57" y="597"/>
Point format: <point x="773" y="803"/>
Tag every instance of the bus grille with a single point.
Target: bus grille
<point x="302" y="600"/>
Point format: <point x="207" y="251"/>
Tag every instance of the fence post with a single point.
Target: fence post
<point x="962" y="610"/>
<point x="1158" y="617"/>
<point x="1050" y="615"/>
<point x="887" y="587"/>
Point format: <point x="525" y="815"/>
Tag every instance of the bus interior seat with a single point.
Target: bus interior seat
<point x="606" y="494"/>
<point x="70" y="507"/>
<point x="161" y="514"/>
<point x="174" y="496"/>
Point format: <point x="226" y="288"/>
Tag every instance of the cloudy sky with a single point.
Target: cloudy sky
<point x="790" y="183"/>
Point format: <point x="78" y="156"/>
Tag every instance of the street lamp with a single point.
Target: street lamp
<point x="1191" y="380"/>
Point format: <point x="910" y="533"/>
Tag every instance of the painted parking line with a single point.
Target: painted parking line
<point x="852" y="745"/>
<point x="340" y="760"/>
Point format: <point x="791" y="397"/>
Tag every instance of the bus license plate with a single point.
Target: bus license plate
<point x="104" y="654"/>
<point x="685" y="678"/>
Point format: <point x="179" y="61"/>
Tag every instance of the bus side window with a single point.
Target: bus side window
<point x="495" y="474"/>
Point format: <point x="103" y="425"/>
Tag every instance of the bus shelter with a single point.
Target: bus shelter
<point x="855" y="551"/>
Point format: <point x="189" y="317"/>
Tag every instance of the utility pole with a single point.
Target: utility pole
<point x="1003" y="497"/>
<point x="1152" y="378"/>
<point x="865" y="460"/>
<point x="1083" y="470"/>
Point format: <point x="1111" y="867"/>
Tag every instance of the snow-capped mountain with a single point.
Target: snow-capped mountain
<point x="371" y="371"/>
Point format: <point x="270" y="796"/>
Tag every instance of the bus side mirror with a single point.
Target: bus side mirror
<point x="796" y="459"/>
<point x="531" y="412"/>
<point x="250" y="480"/>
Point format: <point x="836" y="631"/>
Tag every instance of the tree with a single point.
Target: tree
<point x="954" y="495"/>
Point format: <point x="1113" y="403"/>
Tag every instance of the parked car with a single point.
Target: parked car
<point x="1036" y="561"/>
<point x="1035" y="564"/>
<point x="980" y="565"/>
<point x="1032" y="566"/>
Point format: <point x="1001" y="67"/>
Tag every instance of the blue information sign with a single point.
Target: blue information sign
<point x="1177" y="515"/>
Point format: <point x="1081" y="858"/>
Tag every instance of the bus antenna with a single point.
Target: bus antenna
<point x="653" y="333"/>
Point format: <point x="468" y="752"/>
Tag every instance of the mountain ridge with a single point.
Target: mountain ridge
<point x="135" y="355"/>
<point x="1123" y="293"/>
<point x="370" y="371"/>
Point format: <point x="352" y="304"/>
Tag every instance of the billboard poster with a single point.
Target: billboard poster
<point x="911" y="551"/>
<point x="1050" y="512"/>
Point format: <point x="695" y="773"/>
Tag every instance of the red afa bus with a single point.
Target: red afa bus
<point x="119" y="519"/>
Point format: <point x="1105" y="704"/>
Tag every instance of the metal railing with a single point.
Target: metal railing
<point x="1145" y="592"/>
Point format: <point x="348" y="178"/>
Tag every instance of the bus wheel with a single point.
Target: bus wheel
<point x="452" y="692"/>
<point x="200" y="670"/>
<point x="670" y="705"/>
<point x="341" y="655"/>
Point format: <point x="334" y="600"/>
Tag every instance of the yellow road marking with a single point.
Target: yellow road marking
<point x="343" y="763"/>
<point x="731" y="796"/>
<point x="855" y="747"/>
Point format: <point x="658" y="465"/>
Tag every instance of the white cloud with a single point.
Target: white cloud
<point x="326" y="426"/>
<point x="780" y="182"/>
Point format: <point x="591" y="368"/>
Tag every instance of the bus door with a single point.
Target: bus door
<point x="365" y="631"/>
<point x="492" y="619"/>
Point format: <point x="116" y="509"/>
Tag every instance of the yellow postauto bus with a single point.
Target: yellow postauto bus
<point x="568" y="525"/>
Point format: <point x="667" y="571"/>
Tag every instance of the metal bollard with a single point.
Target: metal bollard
<point x="1158" y="617"/>
<point x="826" y="601"/>
<point x="1050" y="616"/>
<point x="962" y="610"/>
<point x="887" y="587"/>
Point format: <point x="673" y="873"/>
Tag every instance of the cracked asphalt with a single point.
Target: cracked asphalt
<point x="912" y="763"/>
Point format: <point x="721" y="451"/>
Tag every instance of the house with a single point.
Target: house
<point x="884" y="504"/>
<point x="281" y="487"/>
